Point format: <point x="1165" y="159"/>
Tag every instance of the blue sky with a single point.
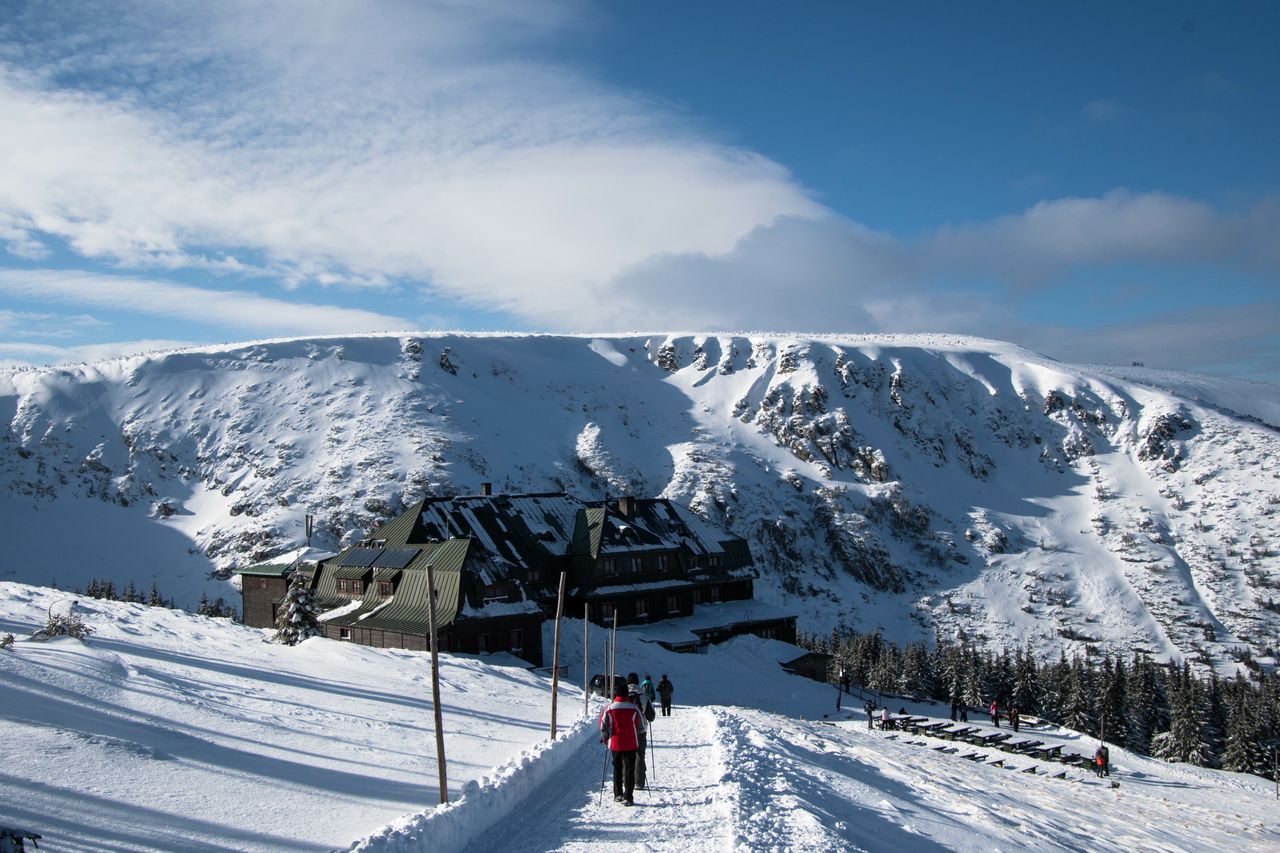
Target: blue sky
<point x="1098" y="182"/>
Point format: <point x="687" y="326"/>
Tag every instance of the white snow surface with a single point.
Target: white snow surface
<point x="165" y="731"/>
<point x="913" y="483"/>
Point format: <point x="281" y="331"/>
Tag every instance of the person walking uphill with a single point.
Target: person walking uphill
<point x="620" y="727"/>
<point x="635" y="695"/>
<point x="664" y="693"/>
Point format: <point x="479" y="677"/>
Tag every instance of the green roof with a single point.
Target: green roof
<point x="406" y="611"/>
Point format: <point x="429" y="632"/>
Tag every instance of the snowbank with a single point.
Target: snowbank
<point x="450" y="827"/>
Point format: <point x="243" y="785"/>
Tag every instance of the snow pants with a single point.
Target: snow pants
<point x="624" y="774"/>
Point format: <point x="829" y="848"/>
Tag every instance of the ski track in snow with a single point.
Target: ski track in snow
<point x="682" y="809"/>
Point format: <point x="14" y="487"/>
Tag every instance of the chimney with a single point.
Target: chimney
<point x="486" y="489"/>
<point x="626" y="506"/>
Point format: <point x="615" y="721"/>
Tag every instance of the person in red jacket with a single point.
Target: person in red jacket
<point x="620" y="725"/>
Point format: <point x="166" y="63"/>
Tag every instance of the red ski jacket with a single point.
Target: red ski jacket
<point x="621" y="724"/>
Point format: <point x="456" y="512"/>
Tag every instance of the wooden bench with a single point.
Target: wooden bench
<point x="1023" y="746"/>
<point x="1048" y="753"/>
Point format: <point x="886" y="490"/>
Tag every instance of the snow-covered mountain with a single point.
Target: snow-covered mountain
<point x="913" y="483"/>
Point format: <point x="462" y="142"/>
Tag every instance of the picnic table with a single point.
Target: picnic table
<point x="1023" y="746"/>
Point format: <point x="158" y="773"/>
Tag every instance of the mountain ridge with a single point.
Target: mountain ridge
<point x="916" y="483"/>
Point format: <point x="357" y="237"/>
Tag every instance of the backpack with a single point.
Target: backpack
<point x="649" y="712"/>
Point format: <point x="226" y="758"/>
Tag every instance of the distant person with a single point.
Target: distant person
<point x="620" y="727"/>
<point x="1013" y="719"/>
<point x="636" y="696"/>
<point x="884" y="717"/>
<point x="844" y="682"/>
<point x="964" y="712"/>
<point x="664" y="693"/>
<point x="647" y="687"/>
<point x="995" y="713"/>
<point x="871" y="713"/>
<point x="1098" y="760"/>
<point x="902" y="711"/>
<point x="1106" y="760"/>
<point x="955" y="708"/>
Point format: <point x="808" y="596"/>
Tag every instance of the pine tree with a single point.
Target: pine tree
<point x="202" y="609"/>
<point x="1111" y="705"/>
<point x="297" y="619"/>
<point x="1185" y="740"/>
<point x="1077" y="699"/>
<point x="1246" y="750"/>
<point x="1026" y="688"/>
<point x="154" y="599"/>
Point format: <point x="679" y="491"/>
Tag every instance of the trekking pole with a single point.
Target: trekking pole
<point x="603" y="771"/>
<point x="649" y="747"/>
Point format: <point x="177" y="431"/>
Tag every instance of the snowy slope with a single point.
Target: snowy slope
<point x="166" y="731"/>
<point x="914" y="483"/>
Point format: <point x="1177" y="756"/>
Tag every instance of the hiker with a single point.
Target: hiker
<point x="1098" y="760"/>
<point x="647" y="687"/>
<point x="871" y="713"/>
<point x="664" y="693"/>
<point x="884" y="717"/>
<point x="1013" y="719"/>
<point x="995" y="713"/>
<point x="1106" y="760"/>
<point x="620" y="727"/>
<point x="955" y="708"/>
<point x="637" y="697"/>
<point x="964" y="712"/>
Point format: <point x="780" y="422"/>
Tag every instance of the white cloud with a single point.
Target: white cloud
<point x="355" y="144"/>
<point x="232" y="309"/>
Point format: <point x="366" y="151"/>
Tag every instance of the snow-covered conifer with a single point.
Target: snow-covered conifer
<point x="297" y="619"/>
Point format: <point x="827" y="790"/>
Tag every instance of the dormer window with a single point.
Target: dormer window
<point x="636" y="565"/>
<point x="385" y="589"/>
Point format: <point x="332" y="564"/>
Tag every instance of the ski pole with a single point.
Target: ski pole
<point x="649" y="746"/>
<point x="603" y="771"/>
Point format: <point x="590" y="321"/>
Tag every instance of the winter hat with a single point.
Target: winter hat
<point x="632" y="678"/>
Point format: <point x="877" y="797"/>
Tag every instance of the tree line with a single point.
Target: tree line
<point x="108" y="591"/>
<point x="1164" y="710"/>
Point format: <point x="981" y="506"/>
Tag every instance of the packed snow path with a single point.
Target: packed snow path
<point x="680" y="810"/>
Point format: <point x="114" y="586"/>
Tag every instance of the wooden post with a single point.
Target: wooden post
<point x="586" y="658"/>
<point x="613" y="653"/>
<point x="435" y="682"/>
<point x="555" y="656"/>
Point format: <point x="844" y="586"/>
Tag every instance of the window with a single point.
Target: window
<point x="517" y="640"/>
<point x="642" y="609"/>
<point x="482" y="644"/>
<point x="606" y="611"/>
<point x="262" y="583"/>
<point x="533" y="576"/>
<point x="342" y="585"/>
<point x="344" y="633"/>
<point x="663" y="562"/>
<point x="698" y="596"/>
<point x="714" y="592"/>
<point x="357" y="587"/>
<point x="636" y="565"/>
<point x="713" y="562"/>
<point x="673" y="604"/>
<point x="607" y="566"/>
<point x="384" y="588"/>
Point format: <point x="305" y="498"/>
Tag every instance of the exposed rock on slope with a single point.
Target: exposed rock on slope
<point x="917" y="484"/>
